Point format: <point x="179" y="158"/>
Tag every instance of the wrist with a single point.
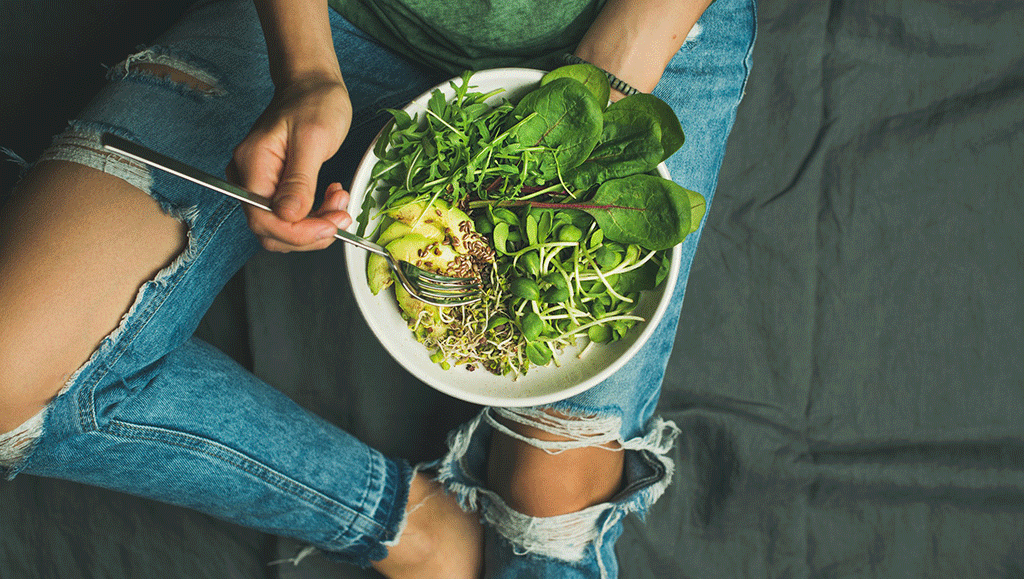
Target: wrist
<point x="305" y="67"/>
<point x="623" y="62"/>
<point x="299" y="43"/>
<point x="309" y="78"/>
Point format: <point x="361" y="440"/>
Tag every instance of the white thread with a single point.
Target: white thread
<point x="302" y="554"/>
<point x="581" y="432"/>
<point x="15" y="444"/>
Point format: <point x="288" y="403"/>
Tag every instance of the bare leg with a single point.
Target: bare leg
<point x="75" y="246"/>
<point x="440" y="540"/>
<point x="540" y="484"/>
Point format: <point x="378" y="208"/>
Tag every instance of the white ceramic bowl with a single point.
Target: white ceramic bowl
<point x="539" y="385"/>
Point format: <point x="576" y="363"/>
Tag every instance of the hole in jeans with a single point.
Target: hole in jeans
<point x="175" y="69"/>
<point x="172" y="74"/>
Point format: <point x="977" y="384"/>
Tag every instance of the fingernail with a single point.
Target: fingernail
<point x="287" y="203"/>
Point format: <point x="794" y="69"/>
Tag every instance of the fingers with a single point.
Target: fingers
<point x="283" y="170"/>
<point x="336" y="199"/>
<point x="284" y="236"/>
<point x="258" y="162"/>
<point x="311" y="233"/>
<point x="289" y="179"/>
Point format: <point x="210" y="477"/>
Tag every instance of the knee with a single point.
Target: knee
<point x="66" y="282"/>
<point x="540" y="483"/>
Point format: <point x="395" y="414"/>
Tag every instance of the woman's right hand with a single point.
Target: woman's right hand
<point x="303" y="126"/>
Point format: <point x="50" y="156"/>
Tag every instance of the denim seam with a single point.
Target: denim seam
<point x="375" y="475"/>
<point x="213" y="449"/>
<point x="88" y="414"/>
<point x="748" y="57"/>
<point x="340" y="539"/>
<point x="399" y="515"/>
<point x="379" y="473"/>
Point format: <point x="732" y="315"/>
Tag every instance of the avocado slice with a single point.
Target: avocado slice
<point x="432" y="237"/>
<point x="378" y="274"/>
<point x="432" y="255"/>
<point x="451" y="220"/>
<point x="421" y="251"/>
<point x="424" y="319"/>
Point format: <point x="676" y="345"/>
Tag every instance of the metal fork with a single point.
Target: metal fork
<point x="430" y="288"/>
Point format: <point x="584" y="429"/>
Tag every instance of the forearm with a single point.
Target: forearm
<point x="635" y="39"/>
<point x="299" y="44"/>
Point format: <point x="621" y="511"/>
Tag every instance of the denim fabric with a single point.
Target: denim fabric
<point x="159" y="414"/>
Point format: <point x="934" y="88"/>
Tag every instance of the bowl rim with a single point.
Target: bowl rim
<point x="356" y="265"/>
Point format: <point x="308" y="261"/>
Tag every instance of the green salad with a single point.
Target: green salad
<point x="553" y="202"/>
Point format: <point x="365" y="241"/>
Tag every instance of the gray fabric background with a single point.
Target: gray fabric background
<point x="848" y="370"/>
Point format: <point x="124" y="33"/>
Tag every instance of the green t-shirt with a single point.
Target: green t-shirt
<point x="460" y="35"/>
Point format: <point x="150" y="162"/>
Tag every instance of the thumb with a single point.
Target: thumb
<point x="293" y="199"/>
<point x="257" y="165"/>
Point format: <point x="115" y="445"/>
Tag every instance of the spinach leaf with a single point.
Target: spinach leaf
<point x="642" y="209"/>
<point x="564" y="119"/>
<point x="591" y="76"/>
<point x="671" y="131"/>
<point x="631" y="143"/>
<point x="698" y="205"/>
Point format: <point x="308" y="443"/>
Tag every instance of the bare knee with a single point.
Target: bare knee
<point x="539" y="483"/>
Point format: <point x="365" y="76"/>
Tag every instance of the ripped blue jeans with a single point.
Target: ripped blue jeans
<point x="159" y="414"/>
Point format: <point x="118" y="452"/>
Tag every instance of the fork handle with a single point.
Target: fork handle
<point x="175" y="167"/>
